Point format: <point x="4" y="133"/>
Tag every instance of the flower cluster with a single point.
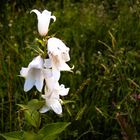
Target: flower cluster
<point x="45" y="73"/>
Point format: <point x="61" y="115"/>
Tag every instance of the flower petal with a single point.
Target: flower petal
<point x="39" y="81"/>
<point x="24" y="72"/>
<point x="56" y="107"/>
<point x="64" y="67"/>
<point x="56" y="74"/>
<point x="36" y="11"/>
<point x="55" y="95"/>
<point x="47" y="63"/>
<point x="54" y="18"/>
<point x="43" y="22"/>
<point x="56" y="46"/>
<point x="37" y="62"/>
<point x="47" y="73"/>
<point x="65" y="56"/>
<point x="63" y="91"/>
<point x="44" y="109"/>
<point x="29" y="82"/>
<point x="51" y="84"/>
<point x="46" y="13"/>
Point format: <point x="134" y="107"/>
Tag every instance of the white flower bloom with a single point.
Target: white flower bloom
<point x="59" y="54"/>
<point x="52" y="98"/>
<point x="33" y="74"/>
<point x="52" y="104"/>
<point x="53" y="89"/>
<point x="51" y="84"/>
<point x="58" y="48"/>
<point x="43" y="21"/>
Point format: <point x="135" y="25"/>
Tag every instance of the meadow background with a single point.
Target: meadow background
<point x="104" y="41"/>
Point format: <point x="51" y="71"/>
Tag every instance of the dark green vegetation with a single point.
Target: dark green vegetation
<point x="104" y="38"/>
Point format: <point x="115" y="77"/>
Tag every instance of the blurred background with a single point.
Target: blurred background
<point x="104" y="41"/>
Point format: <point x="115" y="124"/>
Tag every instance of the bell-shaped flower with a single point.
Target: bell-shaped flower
<point x="33" y="74"/>
<point x="58" y="56"/>
<point x="43" y="21"/>
<point x="52" y="104"/>
<point x="52" y="85"/>
<point x="52" y="98"/>
<point x="58" y="90"/>
<point x="57" y="48"/>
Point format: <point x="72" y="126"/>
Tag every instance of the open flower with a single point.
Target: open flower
<point x="33" y="74"/>
<point x="43" y="21"/>
<point x="52" y="104"/>
<point x="52" y="99"/>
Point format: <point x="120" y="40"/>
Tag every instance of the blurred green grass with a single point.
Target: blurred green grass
<point x="104" y="38"/>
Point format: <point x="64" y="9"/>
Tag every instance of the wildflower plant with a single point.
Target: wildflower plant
<point x="43" y="73"/>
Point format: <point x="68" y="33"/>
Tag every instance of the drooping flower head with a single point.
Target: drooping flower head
<point x="57" y="48"/>
<point x="43" y="21"/>
<point x="58" y="56"/>
<point x="52" y="99"/>
<point x="33" y="74"/>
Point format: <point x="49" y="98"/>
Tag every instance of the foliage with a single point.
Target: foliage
<point x="49" y="132"/>
<point x="105" y="87"/>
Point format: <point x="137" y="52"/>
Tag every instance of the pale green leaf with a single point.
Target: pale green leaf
<point x="33" y="117"/>
<point x="53" y="129"/>
<point x="35" y="104"/>
<point x="30" y="136"/>
<point x="16" y="135"/>
<point x="52" y="137"/>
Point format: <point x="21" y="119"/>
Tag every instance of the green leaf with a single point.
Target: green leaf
<point x="35" y="104"/>
<point x="33" y="117"/>
<point x="30" y="136"/>
<point x="24" y="107"/>
<point x="50" y="131"/>
<point x="52" y="137"/>
<point x="16" y="135"/>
